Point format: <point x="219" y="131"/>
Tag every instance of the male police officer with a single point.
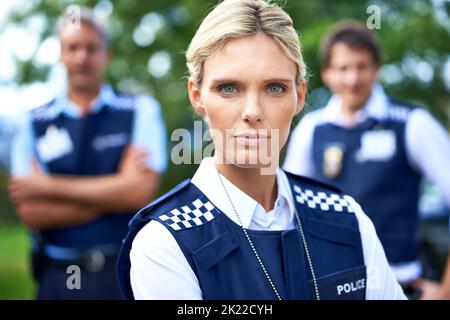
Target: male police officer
<point x="81" y="165"/>
<point x="374" y="149"/>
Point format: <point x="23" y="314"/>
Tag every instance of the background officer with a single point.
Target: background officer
<point x="82" y="164"/>
<point x="373" y="148"/>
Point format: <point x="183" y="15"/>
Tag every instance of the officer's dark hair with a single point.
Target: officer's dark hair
<point x="353" y="34"/>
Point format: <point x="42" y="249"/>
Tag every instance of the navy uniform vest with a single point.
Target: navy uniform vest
<point x="387" y="189"/>
<point x="224" y="263"/>
<point x="88" y="146"/>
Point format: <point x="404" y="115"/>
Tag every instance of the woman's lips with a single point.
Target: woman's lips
<point x="250" y="139"/>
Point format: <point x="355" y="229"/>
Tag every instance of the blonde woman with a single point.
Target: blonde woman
<point x="237" y="229"/>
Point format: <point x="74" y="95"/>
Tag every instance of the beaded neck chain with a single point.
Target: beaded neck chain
<point x="263" y="267"/>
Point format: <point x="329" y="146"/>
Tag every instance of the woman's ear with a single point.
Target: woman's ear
<point x="301" y="94"/>
<point x="195" y="96"/>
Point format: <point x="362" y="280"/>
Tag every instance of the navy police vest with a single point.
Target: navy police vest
<point x="88" y="146"/>
<point x="386" y="187"/>
<point x="225" y="265"/>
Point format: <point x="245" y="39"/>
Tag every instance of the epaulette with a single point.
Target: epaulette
<point x="124" y="102"/>
<point x="318" y="195"/>
<point x="179" y="213"/>
<point x="45" y="112"/>
<point x="399" y="111"/>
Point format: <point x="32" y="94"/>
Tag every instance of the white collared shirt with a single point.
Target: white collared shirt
<point x="424" y="136"/>
<point x="159" y="269"/>
<point x="252" y="214"/>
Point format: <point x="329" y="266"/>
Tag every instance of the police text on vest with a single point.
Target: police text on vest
<point x="351" y="286"/>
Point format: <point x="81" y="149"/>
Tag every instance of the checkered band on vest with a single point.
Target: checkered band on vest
<point x="188" y="216"/>
<point x="322" y="200"/>
<point x="398" y="113"/>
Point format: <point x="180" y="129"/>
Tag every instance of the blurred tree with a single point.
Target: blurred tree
<point x="148" y="39"/>
<point x="6" y="208"/>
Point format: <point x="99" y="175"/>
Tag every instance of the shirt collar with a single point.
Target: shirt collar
<point x="376" y="107"/>
<point x="207" y="180"/>
<point x="105" y="97"/>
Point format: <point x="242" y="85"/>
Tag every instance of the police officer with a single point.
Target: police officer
<point x="373" y="148"/>
<point x="242" y="228"/>
<point x="80" y="165"/>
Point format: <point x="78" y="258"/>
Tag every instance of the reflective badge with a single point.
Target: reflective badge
<point x="54" y="144"/>
<point x="377" y="145"/>
<point x="345" y="285"/>
<point x="333" y="157"/>
<point x="113" y="140"/>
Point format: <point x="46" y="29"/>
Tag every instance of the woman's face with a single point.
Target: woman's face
<point x="249" y="97"/>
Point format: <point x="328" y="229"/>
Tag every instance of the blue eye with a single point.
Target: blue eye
<point x="275" y="88"/>
<point x="228" y="89"/>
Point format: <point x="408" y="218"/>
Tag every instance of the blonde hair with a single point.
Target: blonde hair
<point x="232" y="19"/>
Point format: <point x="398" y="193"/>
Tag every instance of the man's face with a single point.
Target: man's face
<point x="84" y="53"/>
<point x="351" y="74"/>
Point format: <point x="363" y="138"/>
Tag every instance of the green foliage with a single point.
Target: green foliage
<point x="6" y="208"/>
<point x="15" y="276"/>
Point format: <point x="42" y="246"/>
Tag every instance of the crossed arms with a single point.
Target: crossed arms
<point x="46" y="201"/>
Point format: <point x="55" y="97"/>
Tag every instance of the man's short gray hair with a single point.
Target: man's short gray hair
<point x="75" y="15"/>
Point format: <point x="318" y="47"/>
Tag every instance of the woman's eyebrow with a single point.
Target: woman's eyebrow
<point x="223" y="80"/>
<point x="282" y="80"/>
<point x="219" y="81"/>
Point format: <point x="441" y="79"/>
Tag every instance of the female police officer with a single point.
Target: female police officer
<point x="239" y="230"/>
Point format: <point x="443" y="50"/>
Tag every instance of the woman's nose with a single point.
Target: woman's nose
<point x="252" y="111"/>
